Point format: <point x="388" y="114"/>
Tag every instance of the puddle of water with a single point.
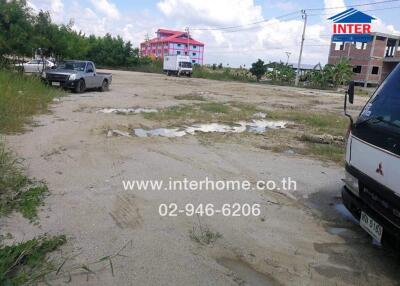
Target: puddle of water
<point x="256" y="126"/>
<point x="126" y="110"/>
<point x="116" y="132"/>
<point x="246" y="273"/>
<point x="337" y="230"/>
<point x="345" y="213"/>
<point x="163" y="132"/>
<point x="260" y="115"/>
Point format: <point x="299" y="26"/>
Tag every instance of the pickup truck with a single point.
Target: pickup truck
<point x="77" y="76"/>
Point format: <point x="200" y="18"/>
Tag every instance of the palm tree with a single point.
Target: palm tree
<point x="342" y="72"/>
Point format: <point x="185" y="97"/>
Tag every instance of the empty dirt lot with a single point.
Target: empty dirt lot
<point x="302" y="237"/>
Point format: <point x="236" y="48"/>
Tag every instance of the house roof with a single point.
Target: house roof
<point x="175" y="38"/>
<point x="352" y="16"/>
<point x="167" y="31"/>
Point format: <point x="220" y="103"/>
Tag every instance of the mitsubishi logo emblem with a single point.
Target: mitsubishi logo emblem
<point x="380" y="169"/>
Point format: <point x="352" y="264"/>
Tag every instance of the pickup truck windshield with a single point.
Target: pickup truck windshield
<point x="185" y="64"/>
<point x="75" y="66"/>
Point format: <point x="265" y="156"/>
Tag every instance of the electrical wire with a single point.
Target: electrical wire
<point x="352" y="6"/>
<point x="249" y="24"/>
<point x="369" y="10"/>
<point x="298" y="11"/>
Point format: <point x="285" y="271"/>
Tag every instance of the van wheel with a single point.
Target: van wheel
<point x="104" y="86"/>
<point x="80" y="87"/>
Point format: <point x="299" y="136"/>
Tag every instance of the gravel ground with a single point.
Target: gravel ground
<point x="302" y="237"/>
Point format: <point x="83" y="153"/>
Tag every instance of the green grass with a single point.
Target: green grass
<point x="26" y="263"/>
<point x="18" y="192"/>
<point x="328" y="152"/>
<point x="190" y="97"/>
<point x="318" y="122"/>
<point x="21" y="97"/>
<point x="215" y="107"/>
<point x="226" y="74"/>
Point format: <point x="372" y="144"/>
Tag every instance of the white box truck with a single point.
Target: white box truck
<point x="178" y="65"/>
<point x="372" y="181"/>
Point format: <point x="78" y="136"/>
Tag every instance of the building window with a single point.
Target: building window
<point x="357" y="69"/>
<point x="375" y="70"/>
<point x="194" y="47"/>
<point x="194" y="61"/>
<point x="339" y="46"/>
<point x="178" y="52"/>
<point x="194" y="54"/>
<point x="179" y="45"/>
<point x="361" y="46"/>
<point x="186" y="53"/>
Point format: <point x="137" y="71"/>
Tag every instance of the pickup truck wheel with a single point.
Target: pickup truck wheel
<point x="80" y="86"/>
<point x="104" y="86"/>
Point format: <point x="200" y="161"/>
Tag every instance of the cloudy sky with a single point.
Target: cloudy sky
<point x="268" y="40"/>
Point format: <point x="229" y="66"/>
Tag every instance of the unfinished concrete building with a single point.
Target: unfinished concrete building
<point x="371" y="61"/>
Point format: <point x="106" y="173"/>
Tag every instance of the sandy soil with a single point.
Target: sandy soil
<point x="301" y="238"/>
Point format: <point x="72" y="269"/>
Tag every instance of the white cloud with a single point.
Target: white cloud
<point x="211" y="12"/>
<point x="268" y="41"/>
<point x="55" y="7"/>
<point x="107" y="8"/>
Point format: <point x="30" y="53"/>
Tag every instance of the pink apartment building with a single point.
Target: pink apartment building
<point x="170" y="42"/>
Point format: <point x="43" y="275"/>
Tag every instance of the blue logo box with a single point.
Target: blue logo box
<point x="352" y="38"/>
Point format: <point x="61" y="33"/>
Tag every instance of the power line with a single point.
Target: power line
<point x="369" y="10"/>
<point x="295" y="12"/>
<point x="255" y="27"/>
<point x="355" y="5"/>
<point x="243" y="25"/>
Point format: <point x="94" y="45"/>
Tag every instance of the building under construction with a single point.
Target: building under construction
<point x="371" y="61"/>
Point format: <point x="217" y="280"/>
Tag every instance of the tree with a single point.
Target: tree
<point x="258" y="69"/>
<point x="280" y="72"/>
<point x="343" y="72"/>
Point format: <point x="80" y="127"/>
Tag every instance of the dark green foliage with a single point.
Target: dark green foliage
<point x="17" y="192"/>
<point x="333" y="75"/>
<point x="26" y="263"/>
<point x="258" y="69"/>
<point x="21" y="97"/>
<point x="22" y="32"/>
<point x="280" y="72"/>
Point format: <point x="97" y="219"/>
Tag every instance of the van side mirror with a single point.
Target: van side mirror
<point x="350" y="92"/>
<point x="350" y="97"/>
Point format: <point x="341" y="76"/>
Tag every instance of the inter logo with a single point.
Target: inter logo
<point x="352" y="26"/>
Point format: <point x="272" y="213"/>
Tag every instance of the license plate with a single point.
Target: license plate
<point x="371" y="226"/>
<point x="55" y="83"/>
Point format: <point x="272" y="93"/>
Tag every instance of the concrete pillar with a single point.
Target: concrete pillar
<point x="370" y="59"/>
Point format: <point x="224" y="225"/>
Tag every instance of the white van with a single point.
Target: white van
<point x="372" y="181"/>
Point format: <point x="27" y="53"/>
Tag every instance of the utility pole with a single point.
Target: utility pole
<point x="147" y="44"/>
<point x="187" y="31"/>
<point x="288" y="56"/>
<point x="304" y="16"/>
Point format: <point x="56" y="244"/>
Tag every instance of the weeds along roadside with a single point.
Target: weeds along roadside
<point x="25" y="262"/>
